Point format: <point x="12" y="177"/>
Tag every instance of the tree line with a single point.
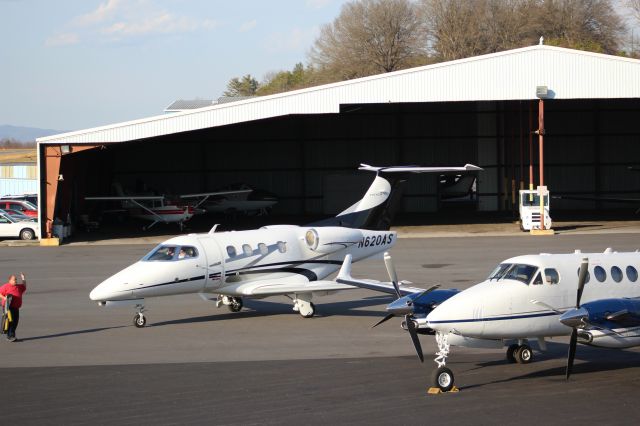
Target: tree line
<point x="376" y="36"/>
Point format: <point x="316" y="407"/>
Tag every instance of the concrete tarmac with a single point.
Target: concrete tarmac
<point x="78" y="363"/>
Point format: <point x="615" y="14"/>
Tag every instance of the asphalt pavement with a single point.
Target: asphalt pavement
<point x="79" y="363"/>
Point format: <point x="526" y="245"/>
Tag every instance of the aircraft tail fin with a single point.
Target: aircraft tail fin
<point x="377" y="208"/>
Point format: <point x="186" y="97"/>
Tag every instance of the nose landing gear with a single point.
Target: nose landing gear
<point x="233" y="303"/>
<point x="139" y="320"/>
<point x="442" y="377"/>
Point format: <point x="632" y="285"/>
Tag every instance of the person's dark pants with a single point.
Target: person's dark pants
<point x="15" y="315"/>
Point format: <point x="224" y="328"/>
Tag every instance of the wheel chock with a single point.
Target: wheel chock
<point x="436" y="391"/>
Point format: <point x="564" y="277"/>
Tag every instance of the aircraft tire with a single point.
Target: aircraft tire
<point x="511" y="351"/>
<point x="139" y="320"/>
<point x="443" y="379"/>
<point x="523" y="354"/>
<point x="312" y="312"/>
<point x="236" y="305"/>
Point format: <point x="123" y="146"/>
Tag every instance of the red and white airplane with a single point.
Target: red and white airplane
<point x="160" y="208"/>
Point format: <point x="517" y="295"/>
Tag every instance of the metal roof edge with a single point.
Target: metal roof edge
<point x="259" y="99"/>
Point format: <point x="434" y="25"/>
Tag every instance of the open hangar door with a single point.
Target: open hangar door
<point x="589" y="145"/>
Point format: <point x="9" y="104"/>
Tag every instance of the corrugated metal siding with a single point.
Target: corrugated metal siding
<point x="510" y="75"/>
<point x="18" y="179"/>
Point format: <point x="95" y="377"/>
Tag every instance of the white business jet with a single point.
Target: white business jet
<point x="274" y="260"/>
<point x="540" y="296"/>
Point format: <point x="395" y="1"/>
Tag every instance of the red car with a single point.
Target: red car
<point x="23" y="207"/>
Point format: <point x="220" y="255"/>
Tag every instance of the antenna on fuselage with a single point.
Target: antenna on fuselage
<point x="212" y="230"/>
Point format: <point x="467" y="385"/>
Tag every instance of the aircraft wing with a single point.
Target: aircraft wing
<point x="216" y="194"/>
<point x="126" y="198"/>
<point x="276" y="287"/>
<point x="588" y="198"/>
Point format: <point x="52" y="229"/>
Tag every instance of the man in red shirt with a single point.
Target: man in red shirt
<point x="15" y="290"/>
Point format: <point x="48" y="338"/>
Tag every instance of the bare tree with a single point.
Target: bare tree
<point x="634" y="6"/>
<point x="370" y="37"/>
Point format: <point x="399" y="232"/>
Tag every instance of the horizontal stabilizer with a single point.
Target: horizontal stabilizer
<point x="418" y="169"/>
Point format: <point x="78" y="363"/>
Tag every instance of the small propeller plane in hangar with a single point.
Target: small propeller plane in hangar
<point x="592" y="297"/>
<point x="162" y="209"/>
<point x="283" y="260"/>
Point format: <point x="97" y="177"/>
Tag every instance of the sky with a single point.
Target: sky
<point x="75" y="64"/>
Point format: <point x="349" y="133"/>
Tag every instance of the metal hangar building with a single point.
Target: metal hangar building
<point x="306" y="145"/>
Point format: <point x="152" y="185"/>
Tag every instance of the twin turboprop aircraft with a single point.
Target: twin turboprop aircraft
<point x="534" y="297"/>
<point x="274" y="260"/>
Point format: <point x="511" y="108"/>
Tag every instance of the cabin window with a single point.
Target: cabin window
<point x="264" y="250"/>
<point x="162" y="253"/>
<point x="247" y="250"/>
<point x="600" y="273"/>
<point x="538" y="279"/>
<point x="187" y="252"/>
<point x="521" y="272"/>
<point x="587" y="277"/>
<point x="551" y="276"/>
<point x="616" y="274"/>
<point x="282" y="247"/>
<point x="231" y="251"/>
<point x="632" y="274"/>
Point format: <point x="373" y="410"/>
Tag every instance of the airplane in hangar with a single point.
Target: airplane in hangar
<point x="163" y="209"/>
<point x="277" y="260"/>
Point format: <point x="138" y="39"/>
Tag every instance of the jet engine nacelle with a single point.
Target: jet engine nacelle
<point x="331" y="238"/>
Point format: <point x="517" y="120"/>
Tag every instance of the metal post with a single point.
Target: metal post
<point x="541" y="159"/>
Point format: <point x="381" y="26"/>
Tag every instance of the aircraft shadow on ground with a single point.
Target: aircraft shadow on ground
<point x="594" y="360"/>
<point x="574" y="227"/>
<point x="69" y="333"/>
<point x="261" y="308"/>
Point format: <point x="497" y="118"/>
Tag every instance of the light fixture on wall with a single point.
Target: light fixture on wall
<point x="60" y="178"/>
<point x="65" y="149"/>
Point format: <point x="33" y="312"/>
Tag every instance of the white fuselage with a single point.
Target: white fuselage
<point x="504" y="308"/>
<point x="244" y="263"/>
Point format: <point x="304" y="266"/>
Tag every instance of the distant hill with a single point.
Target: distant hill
<point x="25" y="134"/>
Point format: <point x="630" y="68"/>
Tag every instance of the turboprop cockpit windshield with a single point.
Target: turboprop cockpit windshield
<point x="513" y="271"/>
<point x="171" y="253"/>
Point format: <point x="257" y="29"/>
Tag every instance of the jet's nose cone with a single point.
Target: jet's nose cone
<point x="574" y="317"/>
<point x="99" y="293"/>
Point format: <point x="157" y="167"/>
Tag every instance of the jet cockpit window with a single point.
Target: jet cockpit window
<point x="538" y="279"/>
<point x="187" y="252"/>
<point x="521" y="272"/>
<point x="551" y="276"/>
<point x="632" y="274"/>
<point x="161" y="253"/>
<point x="600" y="273"/>
<point x="616" y="274"/>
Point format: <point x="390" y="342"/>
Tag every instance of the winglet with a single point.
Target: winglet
<point x="345" y="270"/>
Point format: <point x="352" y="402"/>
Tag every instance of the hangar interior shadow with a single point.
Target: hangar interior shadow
<point x="592" y="149"/>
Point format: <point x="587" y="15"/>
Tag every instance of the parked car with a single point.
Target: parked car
<point x="19" y="216"/>
<point x="13" y="228"/>
<point x="23" y="207"/>
<point x="32" y="198"/>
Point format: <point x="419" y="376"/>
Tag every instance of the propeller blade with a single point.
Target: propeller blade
<point x="387" y="318"/>
<point x="582" y="276"/>
<point x="391" y="270"/>
<point x="433" y="287"/>
<point x="414" y="337"/>
<point x="572" y="352"/>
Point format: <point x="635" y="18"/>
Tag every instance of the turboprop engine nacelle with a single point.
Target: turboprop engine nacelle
<point x="331" y="238"/>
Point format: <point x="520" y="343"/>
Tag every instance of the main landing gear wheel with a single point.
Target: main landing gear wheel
<point x="311" y="312"/>
<point x="523" y="354"/>
<point x="236" y="304"/>
<point x="511" y="351"/>
<point x="139" y="320"/>
<point x="443" y="379"/>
